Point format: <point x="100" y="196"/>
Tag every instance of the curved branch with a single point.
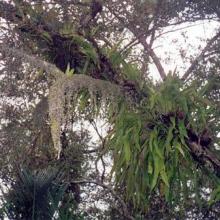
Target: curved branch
<point x="33" y="60"/>
<point x="115" y="194"/>
<point x="205" y="157"/>
<point x="105" y="71"/>
<point x="154" y="57"/>
<point x="200" y="56"/>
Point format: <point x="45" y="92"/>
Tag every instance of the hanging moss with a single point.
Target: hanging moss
<point x="64" y="95"/>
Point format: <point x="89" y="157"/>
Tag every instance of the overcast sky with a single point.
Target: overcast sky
<point x="170" y="43"/>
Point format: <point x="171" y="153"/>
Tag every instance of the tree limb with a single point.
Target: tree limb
<point x="106" y="71"/>
<point x="205" y="157"/>
<point x="154" y="57"/>
<point x="141" y="37"/>
<point x="200" y="56"/>
<point x="35" y="61"/>
<point x="115" y="194"/>
<point x="100" y="155"/>
<point x="8" y="12"/>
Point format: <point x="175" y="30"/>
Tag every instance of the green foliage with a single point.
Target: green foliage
<point x="149" y="146"/>
<point x="37" y="195"/>
<point x="34" y="196"/>
<point x="215" y="195"/>
<point x="86" y="48"/>
<point x="119" y="60"/>
<point x="69" y="72"/>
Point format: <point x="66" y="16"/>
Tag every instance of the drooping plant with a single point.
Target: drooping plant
<point x="150" y="143"/>
<point x="38" y="195"/>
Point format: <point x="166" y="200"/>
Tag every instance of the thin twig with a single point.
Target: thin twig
<point x="115" y="194"/>
<point x="178" y="29"/>
<point x="142" y="39"/>
<point x="132" y="43"/>
<point x="103" y="141"/>
<point x="200" y="56"/>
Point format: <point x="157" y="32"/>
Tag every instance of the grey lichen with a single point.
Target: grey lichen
<point x="65" y="90"/>
<point x="34" y="61"/>
<point x="63" y="97"/>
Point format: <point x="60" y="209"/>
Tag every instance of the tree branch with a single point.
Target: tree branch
<point x="115" y="194"/>
<point x="141" y="37"/>
<point x="100" y="155"/>
<point x="154" y="57"/>
<point x="8" y="12"/>
<point x="35" y="61"/>
<point x="200" y="56"/>
<point x="106" y="71"/>
<point x="205" y="157"/>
